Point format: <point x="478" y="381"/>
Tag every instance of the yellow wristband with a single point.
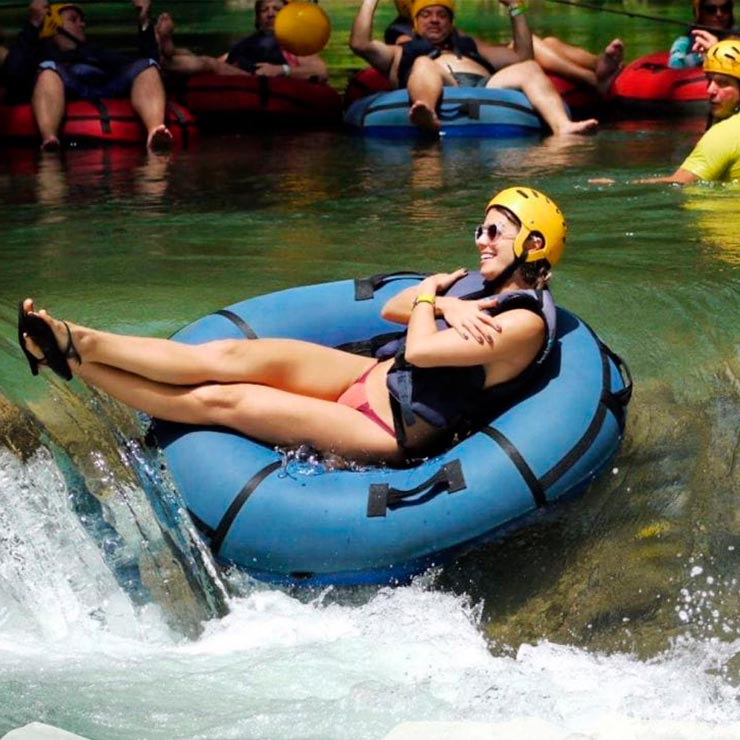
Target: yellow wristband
<point x="430" y="299"/>
<point x="286" y="70"/>
<point x="515" y="10"/>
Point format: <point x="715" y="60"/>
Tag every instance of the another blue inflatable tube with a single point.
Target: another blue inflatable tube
<point x="382" y="525"/>
<point x="464" y="111"/>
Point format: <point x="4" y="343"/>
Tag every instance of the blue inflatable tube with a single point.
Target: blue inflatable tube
<point x="381" y="525"/>
<point x="464" y="111"/>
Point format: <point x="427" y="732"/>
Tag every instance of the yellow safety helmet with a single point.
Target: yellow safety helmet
<point x="537" y="213"/>
<point x="419" y="5"/>
<point x="724" y="58"/>
<point x="53" y="19"/>
<point x="302" y="28"/>
<point x="404" y="8"/>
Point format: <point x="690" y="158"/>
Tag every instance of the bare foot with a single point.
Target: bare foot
<point x="580" y="128"/>
<point x="609" y="65"/>
<point x="50" y="144"/>
<point x="424" y="117"/>
<point x="160" y="139"/>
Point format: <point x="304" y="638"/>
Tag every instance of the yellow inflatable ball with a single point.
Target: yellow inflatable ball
<point x="302" y="28"/>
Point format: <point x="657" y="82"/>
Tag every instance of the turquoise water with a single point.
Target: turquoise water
<point x="618" y="607"/>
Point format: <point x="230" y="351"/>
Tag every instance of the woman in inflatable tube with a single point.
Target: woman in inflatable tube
<point x="487" y="342"/>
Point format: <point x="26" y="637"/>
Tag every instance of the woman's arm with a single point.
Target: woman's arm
<point x="380" y="55"/>
<point x="426" y="346"/>
<point x="468" y="317"/>
<point x="679" y="177"/>
<point x="302" y="68"/>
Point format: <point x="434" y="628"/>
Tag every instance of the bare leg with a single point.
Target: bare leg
<point x="609" y="65"/>
<point x="48" y="103"/>
<point x="532" y="81"/>
<point x="268" y="414"/>
<point x="554" y="62"/>
<point x="575" y="54"/>
<point x="163" y="30"/>
<point x="425" y="90"/>
<point x="148" y="100"/>
<point x="273" y="415"/>
<point x="182" y="61"/>
<point x="299" y="367"/>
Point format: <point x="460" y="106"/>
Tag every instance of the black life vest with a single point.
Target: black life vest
<point x="453" y="398"/>
<point x="400" y="26"/>
<point x="255" y="49"/>
<point x="459" y="44"/>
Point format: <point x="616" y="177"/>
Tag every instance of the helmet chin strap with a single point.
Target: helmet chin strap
<point x="70" y="36"/>
<point x="507" y="273"/>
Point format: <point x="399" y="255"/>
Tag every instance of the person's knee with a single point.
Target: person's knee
<point x="529" y="67"/>
<point x="224" y="352"/>
<point x="148" y="75"/>
<point x="527" y="71"/>
<point x="215" y="403"/>
<point x="425" y="66"/>
<point x="49" y="78"/>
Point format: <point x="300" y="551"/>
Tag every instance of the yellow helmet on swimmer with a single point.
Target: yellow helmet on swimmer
<point x="724" y="58"/>
<point x="537" y="214"/>
<point x="419" y="5"/>
<point x="404" y="8"/>
<point x="53" y="19"/>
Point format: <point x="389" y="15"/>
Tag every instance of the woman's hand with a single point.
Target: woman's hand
<point x="470" y="318"/>
<point x="702" y="40"/>
<point x="440" y="282"/>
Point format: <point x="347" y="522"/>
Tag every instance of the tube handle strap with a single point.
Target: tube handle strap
<point x="382" y="496"/>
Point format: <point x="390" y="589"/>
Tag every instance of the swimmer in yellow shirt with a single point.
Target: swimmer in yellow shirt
<point x="716" y="156"/>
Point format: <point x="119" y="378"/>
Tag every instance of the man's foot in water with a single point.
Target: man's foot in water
<point x="424" y="117"/>
<point x="609" y="65"/>
<point x="50" y="144"/>
<point x="160" y="139"/>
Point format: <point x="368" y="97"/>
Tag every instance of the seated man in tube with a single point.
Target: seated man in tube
<point x="438" y="56"/>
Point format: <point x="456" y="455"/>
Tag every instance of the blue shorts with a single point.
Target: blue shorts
<point x="89" y="82"/>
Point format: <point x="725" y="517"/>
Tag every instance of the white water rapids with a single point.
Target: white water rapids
<point x="77" y="653"/>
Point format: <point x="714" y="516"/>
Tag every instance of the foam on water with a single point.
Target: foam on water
<point x="278" y="667"/>
<point x="79" y="653"/>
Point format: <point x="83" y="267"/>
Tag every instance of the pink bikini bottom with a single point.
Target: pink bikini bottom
<point x="356" y="398"/>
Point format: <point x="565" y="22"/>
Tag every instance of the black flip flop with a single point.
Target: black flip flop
<point x="33" y="361"/>
<point x="41" y="333"/>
